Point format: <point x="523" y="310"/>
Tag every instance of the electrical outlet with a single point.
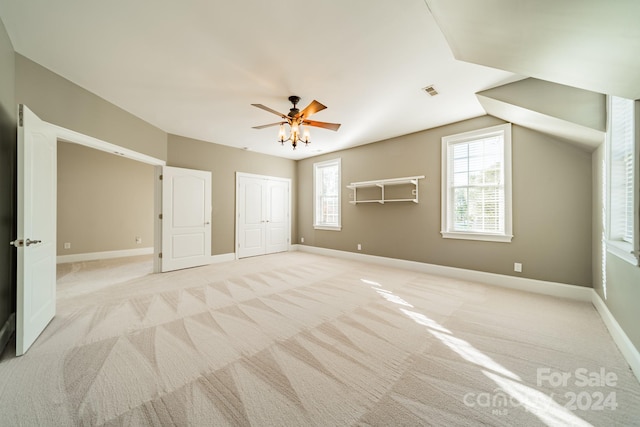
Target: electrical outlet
<point x="67" y="245"/>
<point x="359" y="247"/>
<point x="138" y="239"/>
<point x="517" y="267"/>
<point x="302" y="240"/>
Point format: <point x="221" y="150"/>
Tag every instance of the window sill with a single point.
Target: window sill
<point x="622" y="250"/>
<point x="328" y="227"/>
<point x="504" y="238"/>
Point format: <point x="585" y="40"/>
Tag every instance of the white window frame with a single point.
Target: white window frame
<point x="317" y="223"/>
<point x="447" y="230"/>
<point x="614" y="242"/>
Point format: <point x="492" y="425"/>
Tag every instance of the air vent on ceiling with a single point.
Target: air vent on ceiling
<point x="430" y="90"/>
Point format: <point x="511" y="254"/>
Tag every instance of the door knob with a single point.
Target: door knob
<point x="18" y="243"/>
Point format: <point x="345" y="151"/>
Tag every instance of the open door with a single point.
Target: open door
<point x="36" y="240"/>
<point x="186" y="218"/>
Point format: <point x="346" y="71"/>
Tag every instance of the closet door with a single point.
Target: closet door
<point x="251" y="213"/>
<point x="277" y="225"/>
<point x="263" y="215"/>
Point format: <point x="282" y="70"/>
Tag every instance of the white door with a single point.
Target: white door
<point x="263" y="215"/>
<point x="251" y="213"/>
<point x="36" y="240"/>
<point x="186" y="218"/>
<point x="277" y="225"/>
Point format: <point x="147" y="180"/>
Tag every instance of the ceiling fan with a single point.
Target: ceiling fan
<point x="296" y="119"/>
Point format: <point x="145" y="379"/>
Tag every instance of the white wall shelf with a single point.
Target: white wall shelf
<point x="381" y="184"/>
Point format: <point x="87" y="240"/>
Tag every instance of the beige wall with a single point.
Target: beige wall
<point x="58" y="101"/>
<point x="104" y="201"/>
<point x="551" y="204"/>
<point x="619" y="286"/>
<point x="224" y="162"/>
<point x="7" y="176"/>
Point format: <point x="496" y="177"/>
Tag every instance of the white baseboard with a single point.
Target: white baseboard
<point x="562" y="290"/>
<point x="7" y="330"/>
<point x="621" y="339"/>
<point x="93" y="256"/>
<point x="222" y="258"/>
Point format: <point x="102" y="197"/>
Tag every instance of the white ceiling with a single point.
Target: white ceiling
<point x="193" y="67"/>
<point x="588" y="44"/>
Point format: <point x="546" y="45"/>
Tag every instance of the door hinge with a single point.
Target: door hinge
<point x="161" y="176"/>
<point x="160" y="216"/>
<point x="21" y="115"/>
<point x="160" y="255"/>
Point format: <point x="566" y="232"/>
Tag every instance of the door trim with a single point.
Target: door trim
<point x="237" y="211"/>
<point x="68" y="135"/>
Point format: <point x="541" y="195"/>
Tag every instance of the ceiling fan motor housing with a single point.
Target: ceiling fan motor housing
<point x="294" y="100"/>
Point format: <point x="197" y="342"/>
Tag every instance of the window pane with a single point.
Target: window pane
<point x="461" y="209"/>
<point x="477" y="173"/>
<point x="621" y="169"/>
<point x="327" y="194"/>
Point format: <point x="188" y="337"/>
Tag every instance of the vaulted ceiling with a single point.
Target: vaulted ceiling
<point x="193" y="68"/>
<point x="588" y="44"/>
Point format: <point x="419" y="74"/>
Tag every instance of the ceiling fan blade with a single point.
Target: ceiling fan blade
<point x="330" y="126"/>
<point x="310" y="109"/>
<point x="271" y="110"/>
<point x="266" y="126"/>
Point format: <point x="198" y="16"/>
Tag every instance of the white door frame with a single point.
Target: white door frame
<point x="237" y="212"/>
<point x="68" y="135"/>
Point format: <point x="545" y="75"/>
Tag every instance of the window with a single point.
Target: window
<point x="476" y="185"/>
<point x="621" y="191"/>
<point x="326" y="195"/>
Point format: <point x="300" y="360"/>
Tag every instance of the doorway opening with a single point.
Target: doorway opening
<point x="70" y="138"/>
<point x="105" y="205"/>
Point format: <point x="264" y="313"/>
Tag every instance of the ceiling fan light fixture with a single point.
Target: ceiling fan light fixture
<point x="295" y="134"/>
<point x="298" y="122"/>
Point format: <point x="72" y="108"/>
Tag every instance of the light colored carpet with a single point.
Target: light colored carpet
<point x="295" y="339"/>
